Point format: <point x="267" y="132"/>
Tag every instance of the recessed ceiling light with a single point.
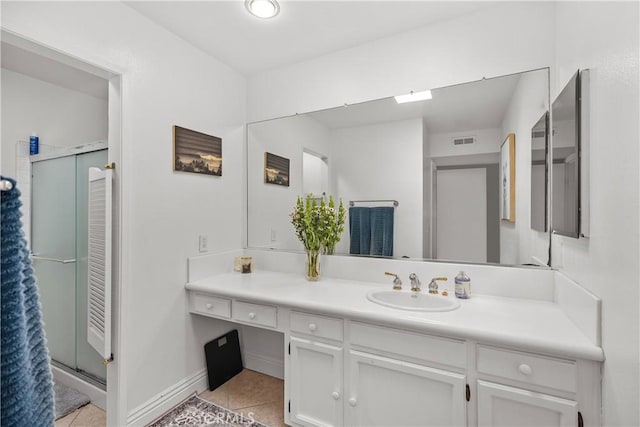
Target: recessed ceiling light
<point x="262" y="8"/>
<point x="413" y="96"/>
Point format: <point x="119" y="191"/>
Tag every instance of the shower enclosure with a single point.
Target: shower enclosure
<point x="59" y="225"/>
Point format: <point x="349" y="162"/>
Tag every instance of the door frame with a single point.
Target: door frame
<point x="121" y="268"/>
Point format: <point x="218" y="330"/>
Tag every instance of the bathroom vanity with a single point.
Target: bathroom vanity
<point x="349" y="361"/>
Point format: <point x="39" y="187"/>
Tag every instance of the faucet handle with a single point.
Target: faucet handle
<point x="433" y="286"/>
<point x="397" y="283"/>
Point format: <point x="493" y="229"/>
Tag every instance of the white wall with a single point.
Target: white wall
<point x="509" y="38"/>
<point x="271" y="204"/>
<point x="165" y="81"/>
<point x="360" y="154"/>
<point x="60" y="116"/>
<point x="603" y="36"/>
<point x="518" y="242"/>
<point x="487" y="141"/>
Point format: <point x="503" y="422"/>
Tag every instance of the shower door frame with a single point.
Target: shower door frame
<point x="57" y="154"/>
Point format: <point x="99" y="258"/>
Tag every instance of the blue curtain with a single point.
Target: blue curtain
<point x="26" y="384"/>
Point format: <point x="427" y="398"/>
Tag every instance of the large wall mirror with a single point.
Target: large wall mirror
<point x="436" y="163"/>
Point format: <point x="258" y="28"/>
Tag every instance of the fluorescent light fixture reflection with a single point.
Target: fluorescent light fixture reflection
<point x="262" y="8"/>
<point x="413" y="96"/>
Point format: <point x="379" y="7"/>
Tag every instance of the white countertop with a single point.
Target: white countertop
<point x="535" y="326"/>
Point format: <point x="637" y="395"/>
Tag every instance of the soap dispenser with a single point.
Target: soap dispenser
<point x="463" y="286"/>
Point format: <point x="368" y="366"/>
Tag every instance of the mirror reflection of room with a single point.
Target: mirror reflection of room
<point x="432" y="164"/>
<point x="566" y="163"/>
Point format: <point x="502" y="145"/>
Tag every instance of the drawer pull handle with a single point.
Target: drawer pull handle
<point x="312" y="327"/>
<point x="525" y="369"/>
<point x="252" y="315"/>
<point x="209" y="306"/>
<point x="353" y="401"/>
<point x="335" y="395"/>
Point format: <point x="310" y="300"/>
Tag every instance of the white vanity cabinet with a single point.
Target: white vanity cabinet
<point x="397" y="377"/>
<point x="386" y="392"/>
<point x="517" y="389"/>
<point x="315" y="370"/>
<point x="500" y="405"/>
<point x="349" y="363"/>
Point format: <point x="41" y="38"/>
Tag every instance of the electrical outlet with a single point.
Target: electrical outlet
<point x="273" y="235"/>
<point x="203" y="243"/>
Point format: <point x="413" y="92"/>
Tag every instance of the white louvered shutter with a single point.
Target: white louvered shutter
<point x="99" y="262"/>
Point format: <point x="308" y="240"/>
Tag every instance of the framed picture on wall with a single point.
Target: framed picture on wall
<point x="276" y="169"/>
<point x="508" y="178"/>
<point x="196" y="152"/>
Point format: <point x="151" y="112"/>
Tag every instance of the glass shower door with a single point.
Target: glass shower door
<point x="59" y="221"/>
<point x="53" y="244"/>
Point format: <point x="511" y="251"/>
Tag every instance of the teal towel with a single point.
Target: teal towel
<point x="382" y="231"/>
<point x="359" y="231"/>
<point x="26" y="383"/>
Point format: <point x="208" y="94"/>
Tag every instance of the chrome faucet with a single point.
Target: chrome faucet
<point x="397" y="283"/>
<point x="415" y="282"/>
<point x="433" y="286"/>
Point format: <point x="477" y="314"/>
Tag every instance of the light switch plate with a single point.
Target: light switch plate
<point x="203" y="243"/>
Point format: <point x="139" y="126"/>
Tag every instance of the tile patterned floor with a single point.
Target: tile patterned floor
<point x="251" y="391"/>
<point x="87" y="416"/>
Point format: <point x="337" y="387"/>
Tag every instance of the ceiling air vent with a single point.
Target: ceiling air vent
<point x="464" y="140"/>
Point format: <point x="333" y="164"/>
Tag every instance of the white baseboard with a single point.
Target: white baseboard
<point x="167" y="399"/>
<point x="266" y="365"/>
<point x="98" y="397"/>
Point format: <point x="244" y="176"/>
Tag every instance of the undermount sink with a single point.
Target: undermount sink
<point x="413" y="301"/>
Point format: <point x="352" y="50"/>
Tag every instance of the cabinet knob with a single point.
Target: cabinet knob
<point x="335" y="395"/>
<point x="209" y="306"/>
<point x="312" y="327"/>
<point x="252" y="315"/>
<point x="353" y="401"/>
<point x="525" y="369"/>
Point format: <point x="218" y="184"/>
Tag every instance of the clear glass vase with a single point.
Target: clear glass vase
<point x="313" y="265"/>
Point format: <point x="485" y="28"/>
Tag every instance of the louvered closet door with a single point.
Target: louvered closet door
<point x="99" y="262"/>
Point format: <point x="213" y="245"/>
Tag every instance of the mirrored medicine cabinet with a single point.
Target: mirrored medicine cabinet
<point x="569" y="180"/>
<point x="436" y="162"/>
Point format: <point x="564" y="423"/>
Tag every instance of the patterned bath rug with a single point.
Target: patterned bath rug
<point x="197" y="412"/>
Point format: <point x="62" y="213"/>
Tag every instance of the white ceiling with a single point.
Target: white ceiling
<point x="469" y="106"/>
<point x="303" y="29"/>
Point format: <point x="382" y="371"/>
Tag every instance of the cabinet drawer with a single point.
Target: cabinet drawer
<point x="529" y="368"/>
<point x="264" y="315"/>
<point x="318" y="326"/>
<point x="211" y="306"/>
<point x="425" y="347"/>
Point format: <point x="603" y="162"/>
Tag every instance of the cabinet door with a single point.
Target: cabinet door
<point x="315" y="383"/>
<point x="500" y="405"/>
<point x="388" y="392"/>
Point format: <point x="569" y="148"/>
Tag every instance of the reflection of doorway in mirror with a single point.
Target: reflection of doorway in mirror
<point x="466" y="213"/>
<point x="315" y="174"/>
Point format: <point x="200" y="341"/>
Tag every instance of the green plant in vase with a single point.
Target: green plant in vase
<point x="318" y="227"/>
